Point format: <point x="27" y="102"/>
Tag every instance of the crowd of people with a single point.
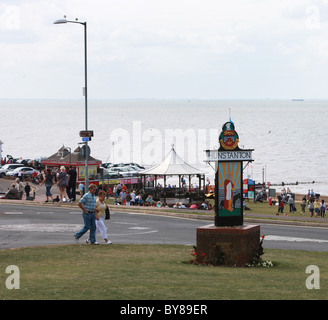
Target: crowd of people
<point x="123" y="196"/>
<point x="315" y="206"/>
<point x="64" y="179"/>
<point x="311" y="201"/>
<point x="17" y="190"/>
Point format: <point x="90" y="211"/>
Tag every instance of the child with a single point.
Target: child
<point x="280" y="207"/>
<point x="303" y="205"/>
<point x="322" y="209"/>
<point x="27" y="189"/>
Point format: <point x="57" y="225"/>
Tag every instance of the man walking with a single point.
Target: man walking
<point x="88" y="206"/>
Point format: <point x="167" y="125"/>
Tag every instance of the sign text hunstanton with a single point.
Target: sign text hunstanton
<point x="215" y="155"/>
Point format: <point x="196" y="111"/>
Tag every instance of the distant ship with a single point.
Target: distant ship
<point x="297" y="99"/>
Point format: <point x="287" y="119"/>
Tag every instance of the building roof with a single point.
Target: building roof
<point x="63" y="157"/>
<point x="172" y="165"/>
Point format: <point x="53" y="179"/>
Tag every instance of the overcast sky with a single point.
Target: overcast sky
<point x="207" y="49"/>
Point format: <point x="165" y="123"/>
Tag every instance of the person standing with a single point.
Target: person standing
<point x="20" y="188"/>
<point x="48" y="181"/>
<point x="128" y="198"/>
<point x="62" y="183"/>
<point x="291" y="204"/>
<point x="311" y="207"/>
<point x="280" y="207"/>
<point x="27" y="190"/>
<point x="115" y="191"/>
<point x="322" y="209"/>
<point x="316" y="207"/>
<point x="303" y="205"/>
<point x="122" y="196"/>
<point x="118" y="189"/>
<point x="133" y="198"/>
<point x="81" y="188"/>
<point x="71" y="184"/>
<point x="100" y="215"/>
<point x="88" y="205"/>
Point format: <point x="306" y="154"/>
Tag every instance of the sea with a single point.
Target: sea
<point x="289" y="137"/>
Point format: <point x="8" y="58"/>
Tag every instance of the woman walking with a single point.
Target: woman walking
<point x="48" y="182"/>
<point x="100" y="215"/>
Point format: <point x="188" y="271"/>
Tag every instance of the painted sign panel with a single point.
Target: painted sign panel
<point x="230" y="189"/>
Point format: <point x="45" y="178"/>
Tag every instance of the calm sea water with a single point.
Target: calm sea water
<point x="289" y="138"/>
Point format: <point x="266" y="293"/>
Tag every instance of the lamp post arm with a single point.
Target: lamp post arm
<point x="71" y="21"/>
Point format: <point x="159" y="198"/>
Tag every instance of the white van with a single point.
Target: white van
<point x="9" y="167"/>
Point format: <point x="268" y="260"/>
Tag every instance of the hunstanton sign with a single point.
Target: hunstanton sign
<point x="229" y="176"/>
<point x="228" y="242"/>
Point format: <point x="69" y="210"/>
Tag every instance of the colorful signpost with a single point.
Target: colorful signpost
<point x="228" y="242"/>
<point x="229" y="160"/>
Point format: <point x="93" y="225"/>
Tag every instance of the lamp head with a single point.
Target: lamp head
<point x="60" y="21"/>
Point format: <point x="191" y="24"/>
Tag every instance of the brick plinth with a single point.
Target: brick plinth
<point x="229" y="246"/>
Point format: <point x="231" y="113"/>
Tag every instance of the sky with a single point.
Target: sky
<point x="172" y="49"/>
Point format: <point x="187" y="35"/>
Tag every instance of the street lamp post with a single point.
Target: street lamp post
<point x="85" y="91"/>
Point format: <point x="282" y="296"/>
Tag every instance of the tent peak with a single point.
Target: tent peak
<point x="172" y="165"/>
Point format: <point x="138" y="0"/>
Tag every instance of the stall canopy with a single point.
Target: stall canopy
<point x="173" y="165"/>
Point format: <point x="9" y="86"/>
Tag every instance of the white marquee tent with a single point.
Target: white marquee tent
<point x="173" y="165"/>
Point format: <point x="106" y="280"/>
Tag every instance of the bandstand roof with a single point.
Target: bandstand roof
<point x="172" y="165"/>
<point x="64" y="157"/>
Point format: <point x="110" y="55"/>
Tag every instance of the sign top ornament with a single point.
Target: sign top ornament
<point x="229" y="138"/>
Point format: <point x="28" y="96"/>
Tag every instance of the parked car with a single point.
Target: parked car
<point x="9" y="167"/>
<point x="106" y="165"/>
<point x="120" y="170"/>
<point x="125" y="171"/>
<point x="109" y="174"/>
<point x="28" y="171"/>
<point x="25" y="162"/>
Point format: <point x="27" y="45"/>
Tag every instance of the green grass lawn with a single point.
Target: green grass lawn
<point x="264" y="208"/>
<point x="154" y="272"/>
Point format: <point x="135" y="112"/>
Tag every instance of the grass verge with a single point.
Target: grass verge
<point x="128" y="272"/>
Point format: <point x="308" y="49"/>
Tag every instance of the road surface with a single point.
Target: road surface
<point x="22" y="226"/>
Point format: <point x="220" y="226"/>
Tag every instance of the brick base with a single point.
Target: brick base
<point x="229" y="246"/>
